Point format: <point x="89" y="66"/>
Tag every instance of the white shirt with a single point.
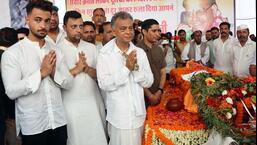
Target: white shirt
<point x="38" y="103"/>
<point x="60" y="37"/>
<point x="205" y="59"/>
<point x="243" y="57"/>
<point x="169" y="58"/>
<point x="125" y="93"/>
<point x="223" y="55"/>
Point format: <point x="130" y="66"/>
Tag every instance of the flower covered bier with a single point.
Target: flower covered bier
<point x="225" y="103"/>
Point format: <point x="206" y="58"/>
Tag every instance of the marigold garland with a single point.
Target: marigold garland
<point x="160" y="118"/>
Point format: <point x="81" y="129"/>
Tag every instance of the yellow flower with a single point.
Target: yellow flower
<point x="210" y="81"/>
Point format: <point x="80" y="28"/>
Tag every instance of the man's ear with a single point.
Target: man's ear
<point x="144" y="32"/>
<point x="64" y="28"/>
<point x="113" y="33"/>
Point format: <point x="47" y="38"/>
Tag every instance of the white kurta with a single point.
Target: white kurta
<point x="125" y="94"/>
<point x="83" y="104"/>
<point x="204" y="59"/>
<point x="38" y="103"/>
<point x="243" y="57"/>
<point x="60" y="37"/>
<point x="223" y="54"/>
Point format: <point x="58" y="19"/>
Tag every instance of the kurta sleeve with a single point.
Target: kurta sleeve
<point x="62" y="74"/>
<point x="108" y="79"/>
<point x="16" y="85"/>
<point x="206" y="56"/>
<point x="144" y="76"/>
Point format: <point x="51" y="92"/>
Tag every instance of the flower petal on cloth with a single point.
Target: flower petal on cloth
<point x="187" y="77"/>
<point x="216" y="139"/>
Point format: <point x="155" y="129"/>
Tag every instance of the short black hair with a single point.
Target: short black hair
<point x="23" y="30"/>
<point x="8" y="37"/>
<point x="71" y="14"/>
<point x="230" y="33"/>
<point x="101" y="28"/>
<point x="225" y="23"/>
<point x="39" y="4"/>
<point x="215" y="28"/>
<point x="181" y="31"/>
<point x="147" y="24"/>
<point x="55" y="8"/>
<point x="98" y="9"/>
<point x="208" y="31"/>
<point x="89" y="23"/>
<point x="164" y="35"/>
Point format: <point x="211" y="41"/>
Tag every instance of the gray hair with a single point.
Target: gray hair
<point x="120" y="15"/>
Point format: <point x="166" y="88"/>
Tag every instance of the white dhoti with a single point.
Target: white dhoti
<point x="125" y="136"/>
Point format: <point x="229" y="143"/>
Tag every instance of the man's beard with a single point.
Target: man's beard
<point x="38" y="35"/>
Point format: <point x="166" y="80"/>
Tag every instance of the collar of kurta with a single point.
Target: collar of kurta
<point x="29" y="42"/>
<point x="112" y="47"/>
<point x="248" y="42"/>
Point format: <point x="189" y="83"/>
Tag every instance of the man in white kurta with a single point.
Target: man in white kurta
<point x="223" y="47"/>
<point x="32" y="73"/>
<point x="244" y="51"/>
<point x="55" y="35"/>
<point x="123" y="85"/>
<point x="196" y="50"/>
<point x="83" y="104"/>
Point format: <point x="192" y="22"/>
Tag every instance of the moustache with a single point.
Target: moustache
<point x="242" y="37"/>
<point x="42" y="30"/>
<point x="224" y="33"/>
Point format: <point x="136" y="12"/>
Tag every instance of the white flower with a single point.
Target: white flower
<point x="244" y="92"/>
<point x="229" y="115"/>
<point x="229" y="100"/>
<point x="234" y="111"/>
<point x="225" y="92"/>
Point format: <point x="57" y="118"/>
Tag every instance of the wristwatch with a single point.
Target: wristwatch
<point x="161" y="90"/>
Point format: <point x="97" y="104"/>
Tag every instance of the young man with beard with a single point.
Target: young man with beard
<point x="106" y="30"/>
<point x="32" y="73"/>
<point x="223" y="49"/>
<point x="89" y="32"/>
<point x="215" y="33"/>
<point x="156" y="57"/>
<point x="83" y="103"/>
<point x="123" y="71"/>
<point x="243" y="53"/>
<point x="55" y="34"/>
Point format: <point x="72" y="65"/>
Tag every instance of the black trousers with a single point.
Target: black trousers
<point x="57" y="136"/>
<point x="2" y="131"/>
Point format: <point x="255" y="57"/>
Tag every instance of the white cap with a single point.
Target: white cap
<point x="165" y="42"/>
<point x="242" y="27"/>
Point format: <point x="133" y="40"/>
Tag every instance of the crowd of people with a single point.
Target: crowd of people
<point x="89" y="82"/>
